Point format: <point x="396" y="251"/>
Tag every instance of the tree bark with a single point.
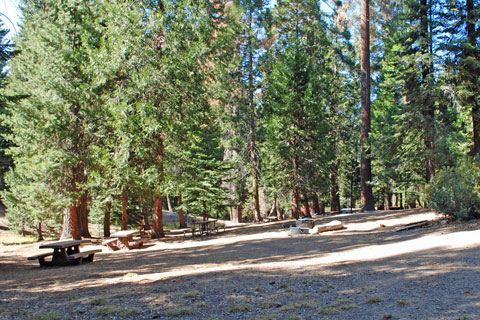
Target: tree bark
<point x="204" y="213"/>
<point x="316" y="205"/>
<point x="146" y="220"/>
<point x="322" y="207"/>
<point x="39" y="232"/>
<point x="157" y="217"/>
<point x="169" y="204"/>
<point x="181" y="217"/>
<point x="239" y="213"/>
<point x="124" y="209"/>
<point x="253" y="149"/>
<point x="428" y="104"/>
<point x="334" y="189"/>
<point x="66" y="225"/>
<point x="366" y="165"/>
<point x="295" y="195"/>
<point x="106" y="220"/>
<point x="470" y="51"/>
<point x="387" y="200"/>
<point x="306" y="206"/>
<point x="73" y="223"/>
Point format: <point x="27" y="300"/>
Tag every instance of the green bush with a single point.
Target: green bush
<point x="455" y="191"/>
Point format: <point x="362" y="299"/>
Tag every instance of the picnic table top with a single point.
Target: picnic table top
<point x="62" y="244"/>
<point x="124" y="233"/>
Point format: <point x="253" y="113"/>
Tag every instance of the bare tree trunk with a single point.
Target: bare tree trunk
<point x="316" y="205"/>
<point x="204" y="213"/>
<point x="66" y="225"/>
<point x="73" y="223"/>
<point x="239" y="213"/>
<point x="295" y="203"/>
<point x="146" y="220"/>
<point x="82" y="216"/>
<point x="157" y="217"/>
<point x="253" y="149"/>
<point x="306" y="206"/>
<point x="295" y="195"/>
<point x="387" y="200"/>
<point x="322" y="207"/>
<point x="366" y="165"/>
<point x="124" y="209"/>
<point x="471" y="52"/>
<point x="106" y="220"/>
<point x="169" y="204"/>
<point x="39" y="232"/>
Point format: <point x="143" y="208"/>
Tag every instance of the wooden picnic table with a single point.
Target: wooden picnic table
<point x="124" y="240"/>
<point x="64" y="253"/>
<point x="206" y="226"/>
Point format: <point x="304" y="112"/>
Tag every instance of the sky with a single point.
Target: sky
<point x="10" y="15"/>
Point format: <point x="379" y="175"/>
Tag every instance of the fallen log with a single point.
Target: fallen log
<point x="331" y="226"/>
<point x="412" y="225"/>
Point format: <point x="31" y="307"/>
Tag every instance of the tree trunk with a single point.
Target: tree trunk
<point x="73" y="223"/>
<point x="204" y="213"/>
<point x="239" y="213"/>
<point x="157" y="217"/>
<point x="66" y="225"/>
<point x="124" y="210"/>
<point x="169" y="204"/>
<point x="428" y="103"/>
<point x="401" y="200"/>
<point x="253" y="149"/>
<point x="471" y="51"/>
<point x="334" y="189"/>
<point x="106" y="220"/>
<point x="306" y="206"/>
<point x="295" y="203"/>
<point x="295" y="195"/>
<point x="316" y="205"/>
<point x="82" y="216"/>
<point x="387" y="200"/>
<point x="366" y="165"/>
<point x="264" y="202"/>
<point x="39" y="232"/>
<point x="322" y="207"/>
<point x="181" y="218"/>
<point x="146" y="220"/>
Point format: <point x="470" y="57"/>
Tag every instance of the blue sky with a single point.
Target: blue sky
<point x="9" y="14"/>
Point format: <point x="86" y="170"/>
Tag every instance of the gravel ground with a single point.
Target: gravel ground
<point x="256" y="271"/>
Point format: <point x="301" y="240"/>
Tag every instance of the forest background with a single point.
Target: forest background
<point x="113" y="110"/>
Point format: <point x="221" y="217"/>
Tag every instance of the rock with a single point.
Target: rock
<point x="293" y="231"/>
<point x="305" y="223"/>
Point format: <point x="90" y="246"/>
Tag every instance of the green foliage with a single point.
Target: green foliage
<point x="455" y="191"/>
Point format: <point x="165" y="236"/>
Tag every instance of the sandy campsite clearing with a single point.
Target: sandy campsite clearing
<point x="256" y="271"/>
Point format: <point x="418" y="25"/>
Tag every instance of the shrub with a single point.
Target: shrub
<point x="455" y="191"/>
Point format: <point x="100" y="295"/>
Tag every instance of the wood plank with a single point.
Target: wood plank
<point x="331" y="226"/>
<point x="82" y="254"/>
<point x="412" y="225"/>
<point x="41" y="255"/>
<point x="63" y="244"/>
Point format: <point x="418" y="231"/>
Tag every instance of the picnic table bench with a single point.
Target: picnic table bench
<point x="64" y="253"/>
<point x="124" y="240"/>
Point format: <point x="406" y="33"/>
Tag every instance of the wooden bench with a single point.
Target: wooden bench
<point x="111" y="244"/>
<point x="41" y="258"/>
<point x="135" y="244"/>
<point x="84" y="256"/>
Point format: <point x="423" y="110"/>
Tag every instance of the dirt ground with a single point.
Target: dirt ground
<point x="256" y="271"/>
